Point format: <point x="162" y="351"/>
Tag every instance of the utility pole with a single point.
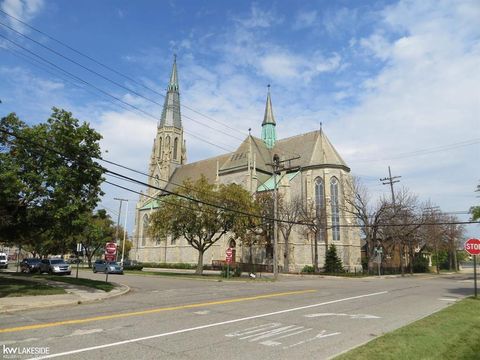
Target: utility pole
<point x="118" y="221"/>
<point x="433" y="212"/>
<point x="276" y="166"/>
<point x="124" y="233"/>
<point x="390" y="180"/>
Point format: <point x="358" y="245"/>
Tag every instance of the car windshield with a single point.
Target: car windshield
<point x="112" y="263"/>
<point x="59" y="261"/>
<point x="32" y="261"/>
<point x="3" y="257"/>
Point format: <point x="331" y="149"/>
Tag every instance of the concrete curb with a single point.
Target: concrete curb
<point x="74" y="296"/>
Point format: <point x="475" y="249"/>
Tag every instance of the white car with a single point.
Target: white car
<point x="3" y="260"/>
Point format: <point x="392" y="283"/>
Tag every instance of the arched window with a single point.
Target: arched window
<point x="335" y="209"/>
<point x="320" y="208"/>
<point x="175" y="147"/>
<point x="145" y="224"/>
<point x="319" y="196"/>
<point x="159" y="147"/>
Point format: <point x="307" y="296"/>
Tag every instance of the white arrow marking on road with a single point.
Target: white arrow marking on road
<point x="202" y="312"/>
<point x="206" y="326"/>
<point x="352" y="316"/>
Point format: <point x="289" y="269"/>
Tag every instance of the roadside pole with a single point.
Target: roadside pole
<point x="78" y="263"/>
<point x="475" y="274"/>
<point x="472" y="246"/>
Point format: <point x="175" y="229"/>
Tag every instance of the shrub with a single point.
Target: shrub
<point x="308" y="269"/>
<point x="420" y="264"/>
<point x="333" y="264"/>
<point x="133" y="267"/>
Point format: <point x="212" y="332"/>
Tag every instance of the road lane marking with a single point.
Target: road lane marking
<point x="322" y="335"/>
<point x="181" y="331"/>
<point x="352" y="316"/>
<point x="152" y="311"/>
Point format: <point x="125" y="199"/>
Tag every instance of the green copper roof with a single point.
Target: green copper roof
<point x="268" y="185"/>
<point x="152" y="204"/>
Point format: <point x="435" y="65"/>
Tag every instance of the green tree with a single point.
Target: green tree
<point x="333" y="264"/>
<point x="199" y="224"/>
<point x="48" y="178"/>
<point x="98" y="230"/>
<point x="475" y="210"/>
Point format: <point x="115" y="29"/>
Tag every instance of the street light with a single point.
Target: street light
<point x="276" y="160"/>
<point x="124" y="233"/>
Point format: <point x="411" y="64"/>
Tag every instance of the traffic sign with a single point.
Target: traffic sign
<point x="110" y="248"/>
<point x="229" y="256"/>
<point x="472" y="246"/>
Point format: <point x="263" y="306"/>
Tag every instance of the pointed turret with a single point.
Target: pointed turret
<point x="171" y="107"/>
<point x="269" y="135"/>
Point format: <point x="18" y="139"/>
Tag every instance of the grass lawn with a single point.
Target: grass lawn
<point x="99" y="285"/>
<point x="11" y="287"/>
<point x="452" y="333"/>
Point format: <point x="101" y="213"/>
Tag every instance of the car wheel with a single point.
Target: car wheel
<point x="94" y="270"/>
<point x="50" y="272"/>
<point x="106" y="271"/>
<point x="68" y="273"/>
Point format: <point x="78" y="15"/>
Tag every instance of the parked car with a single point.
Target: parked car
<point x="111" y="267"/>
<point x="3" y="260"/>
<point x="30" y="265"/>
<point x="54" y="266"/>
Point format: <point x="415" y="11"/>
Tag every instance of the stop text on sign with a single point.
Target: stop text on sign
<point x="472" y="246"/>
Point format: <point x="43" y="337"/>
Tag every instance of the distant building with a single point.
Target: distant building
<point x="316" y="177"/>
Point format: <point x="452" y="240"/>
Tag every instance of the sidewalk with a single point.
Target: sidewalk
<point x="76" y="294"/>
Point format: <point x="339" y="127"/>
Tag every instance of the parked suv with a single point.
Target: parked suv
<point x="3" y="260"/>
<point x="55" y="266"/>
<point x="30" y="265"/>
<point x="111" y="267"/>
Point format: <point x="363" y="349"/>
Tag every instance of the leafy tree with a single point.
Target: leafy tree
<point x="199" y="224"/>
<point x="475" y="210"/>
<point x="333" y="264"/>
<point x="98" y="229"/>
<point x="290" y="212"/>
<point x="48" y="178"/>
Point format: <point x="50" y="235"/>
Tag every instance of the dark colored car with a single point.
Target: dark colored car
<point x="111" y="267"/>
<point x="30" y="265"/>
<point x="55" y="266"/>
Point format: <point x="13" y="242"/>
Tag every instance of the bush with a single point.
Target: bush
<point x="333" y="264"/>
<point x="232" y="272"/>
<point x="420" y="265"/>
<point x="133" y="267"/>
<point x="308" y="269"/>
<point x="169" y="265"/>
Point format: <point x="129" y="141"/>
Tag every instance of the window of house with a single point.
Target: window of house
<point x="335" y="209"/>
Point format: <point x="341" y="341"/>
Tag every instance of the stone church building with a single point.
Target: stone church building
<point x="315" y="176"/>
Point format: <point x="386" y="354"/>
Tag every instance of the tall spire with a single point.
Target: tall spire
<point x="268" y="125"/>
<point x="171" y="107"/>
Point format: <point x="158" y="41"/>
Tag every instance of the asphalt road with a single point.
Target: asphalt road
<point x="173" y="318"/>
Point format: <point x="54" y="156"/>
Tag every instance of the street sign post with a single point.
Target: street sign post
<point x="472" y="246"/>
<point x="228" y="260"/>
<point x="110" y="255"/>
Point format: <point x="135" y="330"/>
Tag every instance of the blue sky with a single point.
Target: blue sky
<point x="393" y="82"/>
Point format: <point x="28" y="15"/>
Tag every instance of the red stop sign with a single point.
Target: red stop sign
<point x="472" y="246"/>
<point x="111" y="248"/>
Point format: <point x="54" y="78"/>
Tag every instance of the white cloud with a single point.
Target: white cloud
<point x="305" y="19"/>
<point x="259" y="18"/>
<point x="426" y="96"/>
<point x="24" y="10"/>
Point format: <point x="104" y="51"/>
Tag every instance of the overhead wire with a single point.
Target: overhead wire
<point x="107" y="93"/>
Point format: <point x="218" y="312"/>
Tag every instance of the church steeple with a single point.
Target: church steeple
<point x="169" y="150"/>
<point x="268" y="125"/>
<point x="171" y="107"/>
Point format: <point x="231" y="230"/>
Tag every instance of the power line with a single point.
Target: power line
<point x="112" y="81"/>
<point x="107" y="93"/>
